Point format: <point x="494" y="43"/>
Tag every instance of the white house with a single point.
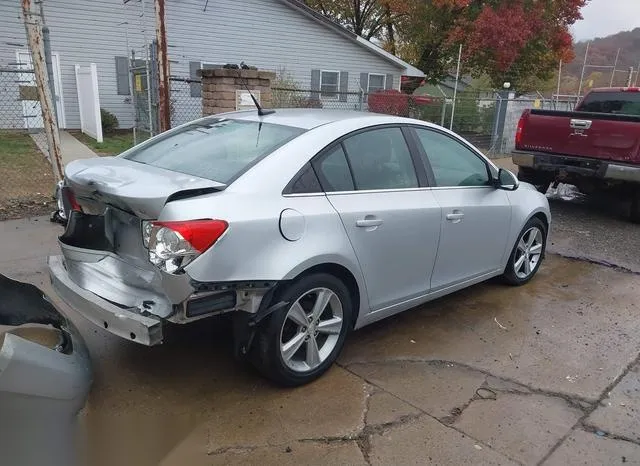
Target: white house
<point x="269" y="34"/>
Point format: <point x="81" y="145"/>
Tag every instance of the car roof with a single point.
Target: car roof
<point x="303" y="118"/>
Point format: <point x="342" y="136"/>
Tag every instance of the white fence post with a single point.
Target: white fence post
<point x="89" y="101"/>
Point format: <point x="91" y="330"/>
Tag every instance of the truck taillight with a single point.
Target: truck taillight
<point x="520" y="131"/>
<point x="173" y="245"/>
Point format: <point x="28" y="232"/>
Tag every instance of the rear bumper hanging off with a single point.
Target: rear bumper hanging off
<point x="125" y="323"/>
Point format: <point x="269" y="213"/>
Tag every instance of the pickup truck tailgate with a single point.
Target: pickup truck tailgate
<point x="610" y="137"/>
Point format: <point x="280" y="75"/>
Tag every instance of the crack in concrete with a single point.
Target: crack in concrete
<point x="408" y="418"/>
<point x="608" y="435"/>
<point x="363" y="440"/>
<point x="590" y="260"/>
<point x="235" y="449"/>
<point x="573" y="400"/>
<point x="582" y="421"/>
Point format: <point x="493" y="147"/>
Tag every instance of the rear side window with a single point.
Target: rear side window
<point x="380" y="159"/>
<point x="623" y="103"/>
<point x="217" y="149"/>
<point x="305" y="183"/>
<point x="333" y="170"/>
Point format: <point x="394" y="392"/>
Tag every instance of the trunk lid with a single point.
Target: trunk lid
<point x="103" y="246"/>
<point x="134" y="187"/>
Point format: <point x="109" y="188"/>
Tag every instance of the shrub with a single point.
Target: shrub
<point x="287" y="94"/>
<point x="393" y="102"/>
<point x="109" y="121"/>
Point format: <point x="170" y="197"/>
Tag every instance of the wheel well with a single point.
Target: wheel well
<point x="345" y="276"/>
<point x="543" y="218"/>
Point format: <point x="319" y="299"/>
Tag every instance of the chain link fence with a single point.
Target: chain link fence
<point x="26" y="175"/>
<point x="485" y="118"/>
<point x="185" y="101"/>
<point x="473" y="118"/>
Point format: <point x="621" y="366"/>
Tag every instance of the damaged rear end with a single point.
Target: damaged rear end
<point x="123" y="264"/>
<point x="105" y="270"/>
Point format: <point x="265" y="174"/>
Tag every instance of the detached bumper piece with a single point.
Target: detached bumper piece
<point x="45" y="376"/>
<point x="125" y="323"/>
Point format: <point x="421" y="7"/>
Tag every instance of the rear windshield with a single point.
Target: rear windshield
<point x="217" y="149"/>
<point x="623" y="103"/>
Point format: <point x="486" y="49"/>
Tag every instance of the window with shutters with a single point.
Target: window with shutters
<point x="329" y="84"/>
<point x="122" y="76"/>
<point x="376" y="82"/>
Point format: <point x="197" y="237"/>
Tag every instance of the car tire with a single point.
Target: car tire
<point x="278" y="351"/>
<point x="527" y="254"/>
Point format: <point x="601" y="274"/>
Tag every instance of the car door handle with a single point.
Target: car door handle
<point x="455" y="217"/>
<point x="369" y="222"/>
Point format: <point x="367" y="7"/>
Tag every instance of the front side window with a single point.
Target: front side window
<point x="380" y="159"/>
<point x="376" y="82"/>
<point x="329" y="84"/>
<point x="453" y="164"/>
<point x="217" y="149"/>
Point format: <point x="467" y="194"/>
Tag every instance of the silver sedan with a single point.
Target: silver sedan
<point x="305" y="224"/>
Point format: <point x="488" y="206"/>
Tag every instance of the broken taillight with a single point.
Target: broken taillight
<point x="173" y="245"/>
<point x="70" y="199"/>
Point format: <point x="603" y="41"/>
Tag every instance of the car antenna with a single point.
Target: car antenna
<point x="261" y="111"/>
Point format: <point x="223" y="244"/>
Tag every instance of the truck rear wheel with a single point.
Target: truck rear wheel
<point x="540" y="180"/>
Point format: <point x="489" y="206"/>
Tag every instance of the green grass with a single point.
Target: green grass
<point x="25" y="173"/>
<point x="16" y="148"/>
<point x="113" y="144"/>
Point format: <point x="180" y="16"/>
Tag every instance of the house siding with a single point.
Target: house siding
<point x="268" y="34"/>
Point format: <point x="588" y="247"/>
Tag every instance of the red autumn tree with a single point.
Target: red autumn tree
<point x="508" y="40"/>
<point x="514" y="40"/>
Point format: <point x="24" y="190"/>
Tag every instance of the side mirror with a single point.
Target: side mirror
<point x="506" y="180"/>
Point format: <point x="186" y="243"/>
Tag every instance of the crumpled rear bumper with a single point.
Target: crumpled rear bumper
<point x="125" y="323"/>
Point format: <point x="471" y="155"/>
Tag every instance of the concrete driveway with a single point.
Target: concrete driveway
<point x="543" y="374"/>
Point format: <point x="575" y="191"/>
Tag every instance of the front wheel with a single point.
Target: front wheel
<point x="301" y="341"/>
<point x="527" y="253"/>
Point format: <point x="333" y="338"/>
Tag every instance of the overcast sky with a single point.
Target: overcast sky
<point x="605" y="17"/>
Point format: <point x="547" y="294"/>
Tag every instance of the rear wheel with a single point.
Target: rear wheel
<point x="527" y="253"/>
<point x="301" y="341"/>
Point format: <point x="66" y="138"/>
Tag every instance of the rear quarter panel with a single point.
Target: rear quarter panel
<point x="254" y="249"/>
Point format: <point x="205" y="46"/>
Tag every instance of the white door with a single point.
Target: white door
<point x="31" y="110"/>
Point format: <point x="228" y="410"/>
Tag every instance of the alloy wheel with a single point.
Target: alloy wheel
<point x="528" y="253"/>
<point x="311" y="330"/>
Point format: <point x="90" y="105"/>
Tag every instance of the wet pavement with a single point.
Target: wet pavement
<point x="547" y="373"/>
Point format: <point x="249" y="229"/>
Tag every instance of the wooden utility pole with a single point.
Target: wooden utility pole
<point x="36" y="46"/>
<point x="164" y="108"/>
